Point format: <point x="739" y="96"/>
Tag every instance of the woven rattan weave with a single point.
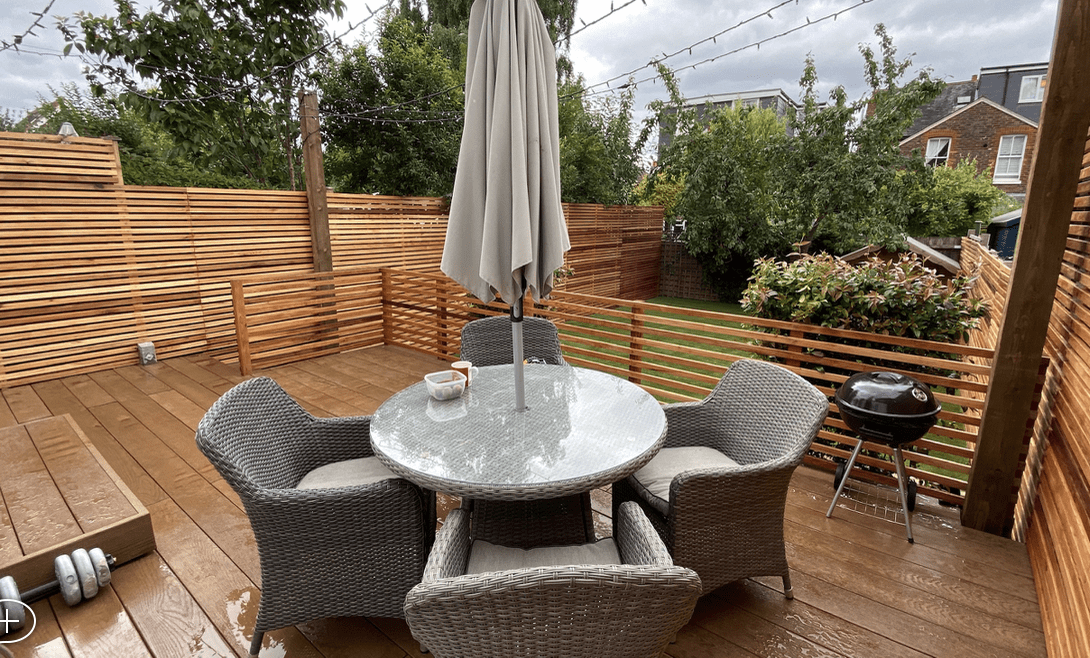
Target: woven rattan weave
<point x="727" y="523"/>
<point x="347" y="551"/>
<point x="487" y="341"/>
<point x="629" y="610"/>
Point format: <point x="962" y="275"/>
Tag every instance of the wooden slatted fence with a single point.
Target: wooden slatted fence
<point x="1053" y="514"/>
<point x="92" y="267"/>
<point x="676" y="354"/>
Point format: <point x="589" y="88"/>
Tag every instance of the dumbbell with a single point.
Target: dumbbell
<point x="79" y="576"/>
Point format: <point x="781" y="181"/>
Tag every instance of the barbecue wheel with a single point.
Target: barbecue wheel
<point x="839" y="475"/>
<point x="910" y="496"/>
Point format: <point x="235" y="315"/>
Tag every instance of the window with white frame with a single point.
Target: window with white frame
<point x="1008" y="164"/>
<point x="1032" y="90"/>
<point x="938" y="152"/>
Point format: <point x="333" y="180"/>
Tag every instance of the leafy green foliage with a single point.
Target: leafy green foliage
<point x="838" y="183"/>
<point x="223" y="75"/>
<point x="952" y="200"/>
<point x="145" y="149"/>
<point x="898" y="298"/>
<point x="847" y="180"/>
<point x="393" y="117"/>
<point x="598" y="161"/>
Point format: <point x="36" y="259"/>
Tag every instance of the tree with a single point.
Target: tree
<point x="220" y="76"/>
<point x="951" y="200"/>
<point x="847" y="179"/>
<point x="146" y="151"/>
<point x="730" y="161"/>
<point x="839" y="182"/>
<point x="598" y="160"/>
<point x="392" y="118"/>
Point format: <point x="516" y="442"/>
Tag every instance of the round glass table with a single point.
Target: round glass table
<point x="582" y="429"/>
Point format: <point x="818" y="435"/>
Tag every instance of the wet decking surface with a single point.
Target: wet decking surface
<point x="860" y="588"/>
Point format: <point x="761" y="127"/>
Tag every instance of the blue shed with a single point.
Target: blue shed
<point x="1004" y="232"/>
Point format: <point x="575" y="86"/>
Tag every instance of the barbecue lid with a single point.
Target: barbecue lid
<point x="888" y="394"/>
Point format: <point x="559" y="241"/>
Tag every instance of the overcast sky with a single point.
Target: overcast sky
<point x="955" y="38"/>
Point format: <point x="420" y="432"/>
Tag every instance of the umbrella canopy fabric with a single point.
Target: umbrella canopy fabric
<point x="506" y="230"/>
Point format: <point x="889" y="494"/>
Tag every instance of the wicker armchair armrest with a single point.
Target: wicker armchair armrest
<point x="346" y="438"/>
<point x="695" y="486"/>
<point x="450" y="553"/>
<point x="294" y="510"/>
<point x="685" y="422"/>
<point x="637" y="540"/>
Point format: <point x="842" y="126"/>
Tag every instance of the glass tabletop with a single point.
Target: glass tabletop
<point x="581" y="429"/>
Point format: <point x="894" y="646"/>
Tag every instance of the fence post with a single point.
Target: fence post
<point x="635" y="348"/>
<point x="242" y="328"/>
<point x="314" y="168"/>
<point x="794" y="333"/>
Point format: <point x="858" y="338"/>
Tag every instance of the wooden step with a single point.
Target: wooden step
<point x="59" y="494"/>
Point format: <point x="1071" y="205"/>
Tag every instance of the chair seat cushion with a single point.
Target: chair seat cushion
<point x="351" y="472"/>
<point x="485" y="556"/>
<point x="653" y="480"/>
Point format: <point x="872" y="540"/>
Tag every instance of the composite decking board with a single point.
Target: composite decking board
<point x="757" y="634"/>
<point x="88" y="490"/>
<point x="6" y="416"/>
<point x="61" y="400"/>
<point x="833" y="613"/>
<point x="694" y="641"/>
<point x="37" y="510"/>
<point x="25" y="404"/>
<point x="225" y="523"/>
<point x="98" y="627"/>
<point x="172" y="432"/>
<point x="180" y="407"/>
<point x="894" y="545"/>
<point x="881" y="619"/>
<point x="164" y="612"/>
<point x="226" y="594"/>
<point x="330" y="398"/>
<point x="939" y="529"/>
<point x="48" y="640"/>
<point x="839" y="635"/>
<point x="970" y="627"/>
<point x="963" y="596"/>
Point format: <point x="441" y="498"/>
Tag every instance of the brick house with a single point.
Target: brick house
<point x="983" y="130"/>
<point x="991" y="118"/>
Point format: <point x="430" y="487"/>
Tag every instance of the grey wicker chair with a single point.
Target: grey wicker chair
<point x="569" y="520"/>
<point x="340" y="549"/>
<point x="631" y="608"/>
<point x="716" y="492"/>
<point x="487" y="341"/>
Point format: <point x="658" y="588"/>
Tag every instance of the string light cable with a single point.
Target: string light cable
<point x="756" y="44"/>
<point x="250" y="86"/>
<point x="17" y="40"/>
<point x="689" y="49"/>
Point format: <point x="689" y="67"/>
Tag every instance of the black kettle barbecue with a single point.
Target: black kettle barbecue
<point x="889" y="408"/>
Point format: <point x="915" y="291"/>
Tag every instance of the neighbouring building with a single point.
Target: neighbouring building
<point x="991" y="119"/>
<point x="770" y="99"/>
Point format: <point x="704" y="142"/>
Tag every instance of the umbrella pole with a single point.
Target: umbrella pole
<point x="517" y="353"/>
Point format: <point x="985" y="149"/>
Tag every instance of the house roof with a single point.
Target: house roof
<point x="740" y="96"/>
<point x="946" y="103"/>
<point x="944" y="264"/>
<point x="971" y="106"/>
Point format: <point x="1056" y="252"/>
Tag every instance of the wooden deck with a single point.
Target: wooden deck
<point x="861" y="589"/>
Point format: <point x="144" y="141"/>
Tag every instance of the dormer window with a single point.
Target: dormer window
<point x="1032" y="90"/>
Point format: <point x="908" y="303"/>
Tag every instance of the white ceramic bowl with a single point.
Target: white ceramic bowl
<point x="445" y="384"/>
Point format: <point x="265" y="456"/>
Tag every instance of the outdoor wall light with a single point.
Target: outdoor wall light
<point x="147" y="353"/>
<point x="67" y="130"/>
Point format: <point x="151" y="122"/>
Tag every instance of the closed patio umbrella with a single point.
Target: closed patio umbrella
<point x="506" y="231"/>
